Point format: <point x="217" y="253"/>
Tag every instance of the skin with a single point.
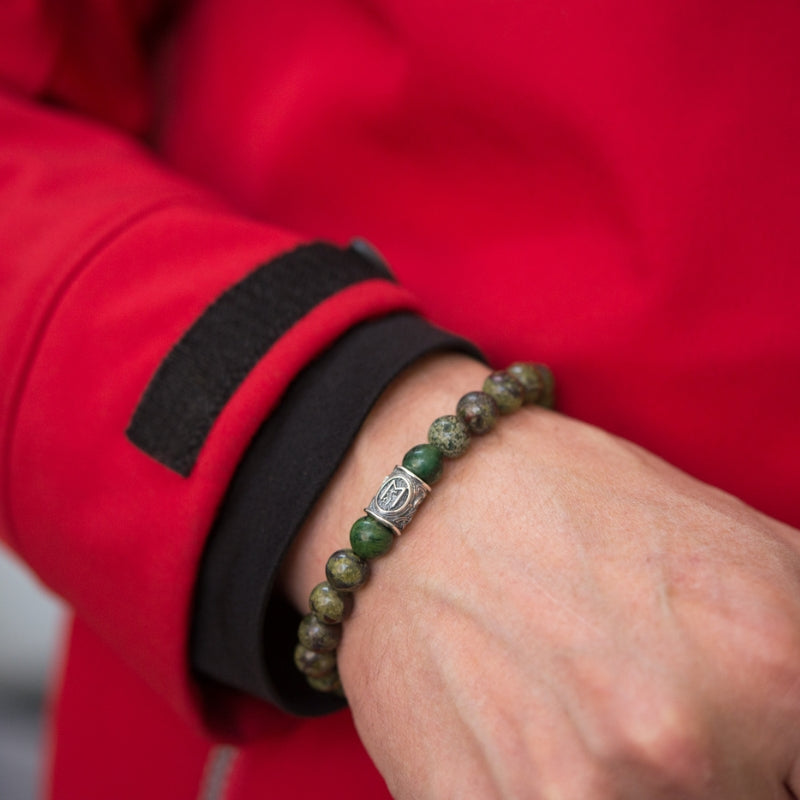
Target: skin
<point x="567" y="617"/>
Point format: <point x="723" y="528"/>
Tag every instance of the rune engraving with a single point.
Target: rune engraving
<point x="397" y="500"/>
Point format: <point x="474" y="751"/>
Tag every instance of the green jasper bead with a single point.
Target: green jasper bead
<point x="478" y="411"/>
<point x="425" y="461"/>
<point x="370" y="539"/>
<point x="318" y="636"/>
<point x="346" y="571"/>
<point x="325" y="683"/>
<point x="505" y="390"/>
<point x="528" y="377"/>
<point x="548" y="395"/>
<point x="450" y="435"/>
<point x="312" y="663"/>
<point x="330" y="606"/>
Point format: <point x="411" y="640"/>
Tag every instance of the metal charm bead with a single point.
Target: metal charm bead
<point x="398" y="499"/>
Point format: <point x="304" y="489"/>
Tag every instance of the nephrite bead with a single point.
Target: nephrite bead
<point x="478" y="411"/>
<point x="318" y="636"/>
<point x="548" y="395"/>
<point x="450" y="435"/>
<point x="505" y="390"/>
<point x="528" y="377"/>
<point x="328" y="605"/>
<point x="325" y="683"/>
<point x="346" y="571"/>
<point x="425" y="461"/>
<point x="370" y="539"/>
<point x="312" y="663"/>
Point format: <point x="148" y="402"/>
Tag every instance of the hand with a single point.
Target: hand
<point x="566" y="617"/>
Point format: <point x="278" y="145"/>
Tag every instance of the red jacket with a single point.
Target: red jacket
<point x="612" y="188"/>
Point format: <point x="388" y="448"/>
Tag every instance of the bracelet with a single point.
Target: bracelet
<point x="392" y="508"/>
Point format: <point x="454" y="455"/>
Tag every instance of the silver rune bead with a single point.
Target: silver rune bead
<point x="398" y="499"/>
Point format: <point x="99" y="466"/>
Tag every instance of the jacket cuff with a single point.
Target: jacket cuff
<point x="244" y="632"/>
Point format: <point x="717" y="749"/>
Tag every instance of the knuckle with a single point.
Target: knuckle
<point x="765" y="636"/>
<point x="778" y="641"/>
<point x="778" y="667"/>
<point x="663" y="740"/>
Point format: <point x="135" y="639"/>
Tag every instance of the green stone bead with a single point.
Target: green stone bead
<point x="312" y="663"/>
<point x="528" y="377"/>
<point x="346" y="571"/>
<point x="505" y="390"/>
<point x="370" y="539"/>
<point x="548" y="396"/>
<point x="330" y="606"/>
<point x="450" y="435"/>
<point x="318" y="636"/>
<point x="478" y="411"/>
<point x="425" y="461"/>
<point x="326" y="683"/>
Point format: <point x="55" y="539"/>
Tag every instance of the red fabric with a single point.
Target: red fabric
<point x="118" y="739"/>
<point x="612" y="188"/>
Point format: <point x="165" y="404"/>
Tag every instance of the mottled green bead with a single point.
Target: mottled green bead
<point x="346" y="571"/>
<point x="370" y="539"/>
<point x="505" y="390"/>
<point x="330" y="606"/>
<point x="326" y="683"/>
<point x="318" y="636"/>
<point x="548" y="395"/>
<point x="478" y="411"/>
<point x="528" y="377"/>
<point x="450" y="435"/>
<point x="312" y="663"/>
<point x="425" y="461"/>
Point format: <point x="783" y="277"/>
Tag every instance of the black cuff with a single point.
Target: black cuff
<point x="290" y="461"/>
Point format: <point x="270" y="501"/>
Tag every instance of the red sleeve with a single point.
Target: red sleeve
<point x="107" y="259"/>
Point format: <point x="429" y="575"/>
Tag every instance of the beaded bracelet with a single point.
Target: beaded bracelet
<point x="391" y="510"/>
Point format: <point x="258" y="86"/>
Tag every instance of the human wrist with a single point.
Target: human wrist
<point x="449" y="436"/>
<point x="399" y="419"/>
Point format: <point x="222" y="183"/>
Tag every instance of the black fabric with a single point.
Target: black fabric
<point x="288" y="464"/>
<point x="202" y="371"/>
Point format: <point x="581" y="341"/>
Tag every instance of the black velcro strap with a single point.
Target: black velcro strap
<point x="201" y="372"/>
